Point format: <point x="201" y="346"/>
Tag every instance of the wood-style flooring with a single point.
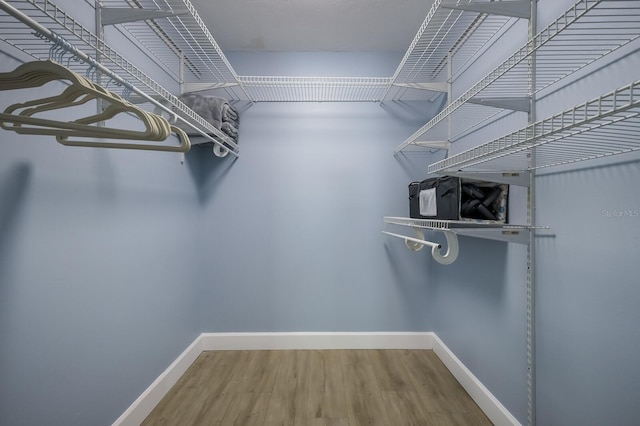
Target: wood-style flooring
<point x="317" y="388"/>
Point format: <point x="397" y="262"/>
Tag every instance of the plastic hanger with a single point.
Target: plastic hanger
<point x="38" y="73"/>
<point x="185" y="143"/>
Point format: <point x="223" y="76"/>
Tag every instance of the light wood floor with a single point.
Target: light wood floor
<point x="317" y="388"/>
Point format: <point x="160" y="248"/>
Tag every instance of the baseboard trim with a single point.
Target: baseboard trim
<point x="142" y="406"/>
<point x="282" y="341"/>
<point x="488" y="403"/>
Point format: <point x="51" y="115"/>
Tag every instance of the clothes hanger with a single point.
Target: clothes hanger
<point x="37" y="73"/>
<point x="184" y="146"/>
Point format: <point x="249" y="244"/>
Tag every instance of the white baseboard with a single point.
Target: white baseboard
<point x="141" y="408"/>
<point x="282" y="341"/>
<point x="488" y="403"/>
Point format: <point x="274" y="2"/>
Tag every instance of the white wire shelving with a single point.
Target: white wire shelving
<point x="586" y="32"/>
<point x="175" y="34"/>
<point x="604" y="126"/>
<point x="32" y="25"/>
<point x="179" y="39"/>
<point x="492" y="231"/>
<point x="447" y="39"/>
<point x="314" y="89"/>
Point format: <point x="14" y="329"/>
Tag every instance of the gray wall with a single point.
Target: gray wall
<point x="587" y="319"/>
<point x="291" y="232"/>
<point x="587" y="334"/>
<point x="98" y="268"/>
<point x="112" y="262"/>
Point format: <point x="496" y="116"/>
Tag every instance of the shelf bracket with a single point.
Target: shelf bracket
<point x="519" y="177"/>
<point x="198" y="87"/>
<point x="434" y="87"/>
<point x="514" y="9"/>
<point x="516" y="104"/>
<point x="120" y="15"/>
<point x="443" y="145"/>
<point x="416" y="244"/>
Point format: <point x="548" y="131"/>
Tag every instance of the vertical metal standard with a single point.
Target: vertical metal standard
<point x="100" y="37"/>
<point x="449" y="94"/>
<point x="531" y="221"/>
<point x="181" y="73"/>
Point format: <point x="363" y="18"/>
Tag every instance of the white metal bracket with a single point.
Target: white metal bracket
<point x="516" y="104"/>
<point x="419" y="242"/>
<point x="519" y="178"/>
<point x="434" y="87"/>
<point x="443" y="145"/>
<point x="198" y="87"/>
<point x="120" y="15"/>
<point x="515" y="9"/>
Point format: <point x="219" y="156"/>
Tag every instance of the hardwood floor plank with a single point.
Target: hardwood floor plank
<point x="327" y="422"/>
<point x="327" y="396"/>
<point x="390" y="370"/>
<point x="288" y="404"/>
<point x="364" y="398"/>
<point x="440" y="391"/>
<point x="260" y="373"/>
<point x="317" y="388"/>
<point x="247" y="409"/>
<point x="405" y="407"/>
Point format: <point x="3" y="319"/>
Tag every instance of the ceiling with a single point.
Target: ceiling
<point x="313" y="25"/>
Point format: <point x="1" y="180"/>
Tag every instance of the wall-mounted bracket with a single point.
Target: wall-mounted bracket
<point x="416" y="244"/>
<point x="514" y="9"/>
<point x="519" y="178"/>
<point x="120" y="15"/>
<point x="516" y="104"/>
<point x="434" y="87"/>
<point x="198" y="87"/>
<point x="443" y="145"/>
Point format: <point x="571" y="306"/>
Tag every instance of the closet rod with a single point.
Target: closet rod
<point x="414" y="240"/>
<point x="52" y="36"/>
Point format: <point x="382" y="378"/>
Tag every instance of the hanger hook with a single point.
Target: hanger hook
<point x="55" y="38"/>
<point x="92" y="68"/>
<point x="126" y="92"/>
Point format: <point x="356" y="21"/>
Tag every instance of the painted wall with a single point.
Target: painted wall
<point x="583" y="289"/>
<point x="97" y="274"/>
<point x="587" y="315"/>
<point x="291" y="232"/>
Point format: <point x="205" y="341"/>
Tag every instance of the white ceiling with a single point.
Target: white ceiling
<point x="313" y="25"/>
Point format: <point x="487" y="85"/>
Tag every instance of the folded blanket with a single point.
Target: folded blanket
<point x="230" y="130"/>
<point x="229" y="113"/>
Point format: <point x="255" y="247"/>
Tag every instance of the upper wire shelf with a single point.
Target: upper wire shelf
<point x="445" y="33"/>
<point x="586" y="32"/>
<point x="46" y="14"/>
<point x="314" y="89"/>
<point x="604" y="126"/>
<point x="180" y="40"/>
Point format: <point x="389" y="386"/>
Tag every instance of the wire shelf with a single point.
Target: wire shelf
<point x="46" y="14"/>
<point x="604" y="126"/>
<point x="588" y="31"/>
<point x="179" y="41"/>
<point x="444" y="32"/>
<point x="314" y="89"/>
<point x="492" y="231"/>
